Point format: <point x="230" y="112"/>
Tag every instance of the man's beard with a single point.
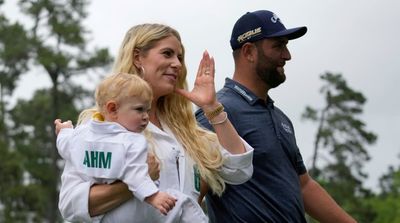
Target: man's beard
<point x="269" y="75"/>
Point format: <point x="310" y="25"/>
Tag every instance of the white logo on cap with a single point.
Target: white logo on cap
<point x="249" y="34"/>
<point x="274" y="18"/>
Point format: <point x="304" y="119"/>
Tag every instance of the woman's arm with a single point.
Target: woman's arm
<point x="226" y="133"/>
<point x="105" y="197"/>
<point x="203" y="95"/>
<point x="79" y="201"/>
<point x="237" y="168"/>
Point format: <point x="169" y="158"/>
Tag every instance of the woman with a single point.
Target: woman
<point x="187" y="152"/>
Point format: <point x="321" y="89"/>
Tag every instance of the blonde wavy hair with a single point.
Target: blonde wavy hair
<point x="175" y="110"/>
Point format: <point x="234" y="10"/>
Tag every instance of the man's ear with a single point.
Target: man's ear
<point x="112" y="108"/>
<point x="136" y="58"/>
<point x="249" y="51"/>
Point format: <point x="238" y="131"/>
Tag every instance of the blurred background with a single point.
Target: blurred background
<point x="341" y="89"/>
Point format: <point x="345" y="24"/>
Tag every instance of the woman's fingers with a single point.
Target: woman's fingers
<point x="200" y="70"/>
<point x="212" y="67"/>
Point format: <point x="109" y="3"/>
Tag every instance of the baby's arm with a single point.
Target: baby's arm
<point x="63" y="137"/>
<point x="61" y="125"/>
<point x="135" y="175"/>
<point x="161" y="201"/>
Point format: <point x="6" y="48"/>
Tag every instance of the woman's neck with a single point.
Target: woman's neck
<point x="153" y="115"/>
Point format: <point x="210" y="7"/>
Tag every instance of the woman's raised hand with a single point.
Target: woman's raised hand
<point x="203" y="92"/>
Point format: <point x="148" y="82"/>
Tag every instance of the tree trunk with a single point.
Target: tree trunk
<point x="53" y="203"/>
<point x="316" y="143"/>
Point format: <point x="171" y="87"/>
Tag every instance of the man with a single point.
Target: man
<point x="281" y="189"/>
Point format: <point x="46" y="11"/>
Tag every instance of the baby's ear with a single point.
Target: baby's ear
<point x="112" y="108"/>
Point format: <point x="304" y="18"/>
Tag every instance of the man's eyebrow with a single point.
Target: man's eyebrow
<point x="281" y="40"/>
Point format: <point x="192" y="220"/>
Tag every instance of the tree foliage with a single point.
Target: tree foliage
<point x="340" y="142"/>
<point x="57" y="45"/>
<point x="14" y="54"/>
<point x="33" y="134"/>
<point x="387" y="203"/>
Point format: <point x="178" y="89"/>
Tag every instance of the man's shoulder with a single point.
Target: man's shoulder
<point x="229" y="98"/>
<point x="281" y="114"/>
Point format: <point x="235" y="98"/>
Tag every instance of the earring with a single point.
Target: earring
<point x="142" y="71"/>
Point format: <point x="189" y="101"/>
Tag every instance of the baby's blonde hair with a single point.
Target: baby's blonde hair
<point x="118" y="87"/>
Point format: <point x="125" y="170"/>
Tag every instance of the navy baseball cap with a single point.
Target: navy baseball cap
<point x="261" y="24"/>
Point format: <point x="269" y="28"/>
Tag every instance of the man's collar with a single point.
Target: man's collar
<point x="247" y="94"/>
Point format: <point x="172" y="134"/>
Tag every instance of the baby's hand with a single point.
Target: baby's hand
<point x="61" y="125"/>
<point x="161" y="201"/>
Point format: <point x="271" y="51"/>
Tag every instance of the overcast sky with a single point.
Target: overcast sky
<point x="359" y="39"/>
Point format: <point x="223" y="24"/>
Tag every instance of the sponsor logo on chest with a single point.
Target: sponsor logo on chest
<point x="287" y="128"/>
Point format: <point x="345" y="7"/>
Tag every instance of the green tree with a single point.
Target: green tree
<point x="32" y="136"/>
<point x="340" y="142"/>
<point x="59" y="49"/>
<point x="387" y="203"/>
<point x="11" y="177"/>
<point x="14" y="54"/>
